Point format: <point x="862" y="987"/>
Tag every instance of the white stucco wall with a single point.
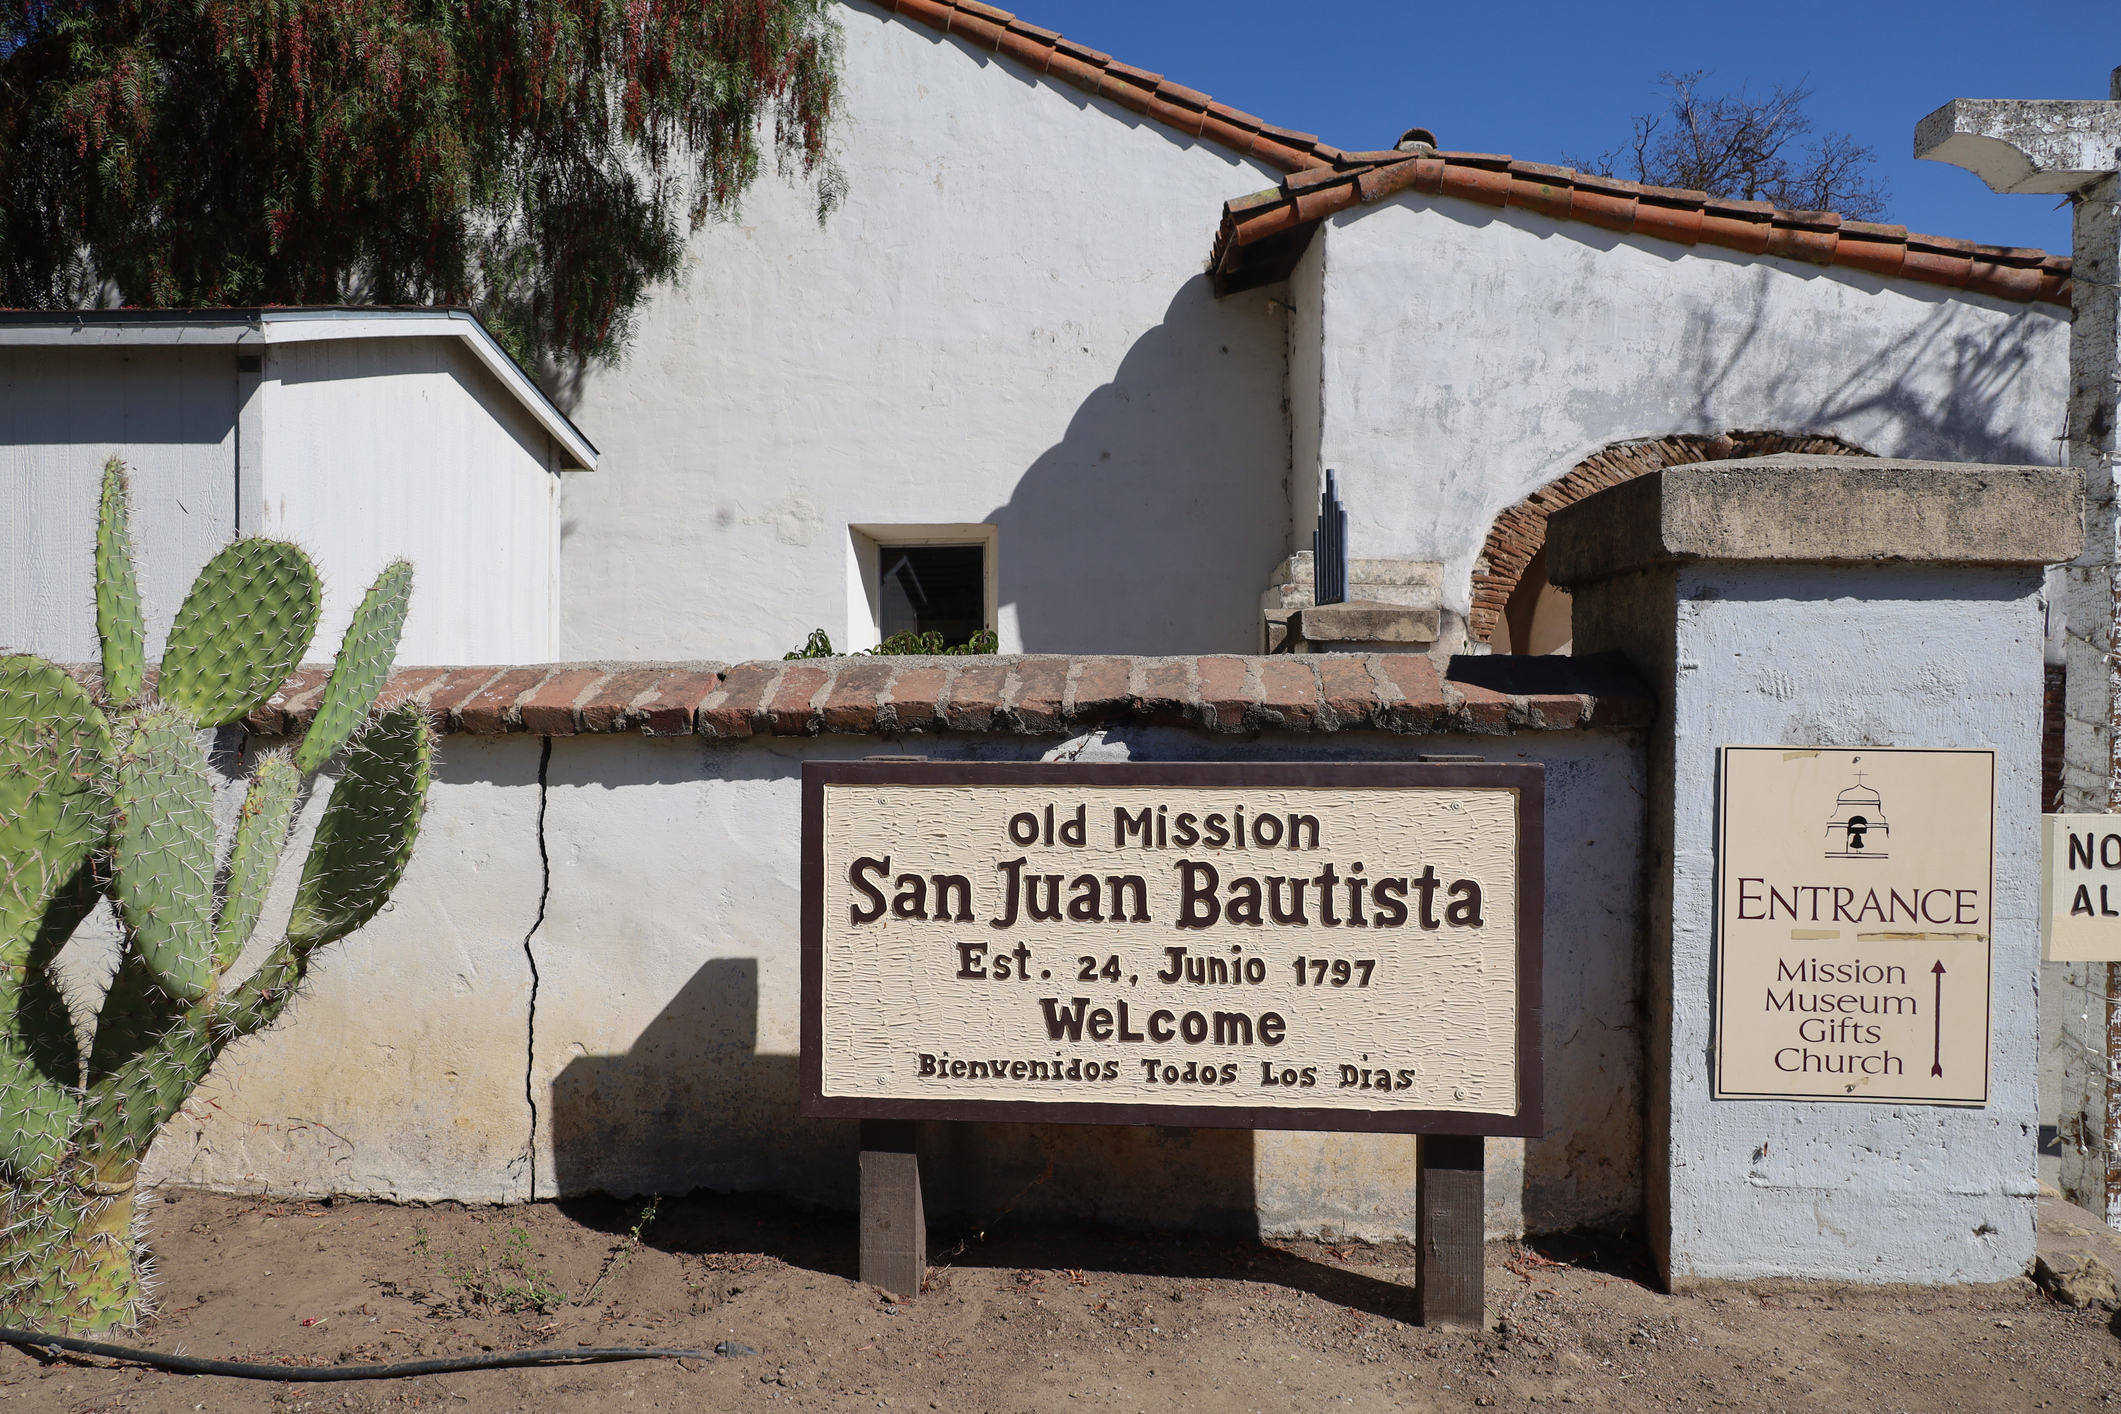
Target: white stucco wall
<point x="1007" y="323"/>
<point x="1472" y="355"/>
<point x="378" y="448"/>
<point x="653" y="1048"/>
<point x="171" y="413"/>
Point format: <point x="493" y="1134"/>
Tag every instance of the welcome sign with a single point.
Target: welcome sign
<point x="1263" y="946"/>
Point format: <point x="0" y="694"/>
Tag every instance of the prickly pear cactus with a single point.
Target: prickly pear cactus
<point x="105" y="794"/>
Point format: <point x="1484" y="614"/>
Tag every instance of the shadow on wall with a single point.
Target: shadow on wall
<point x="694" y="1105"/>
<point x="1152" y="525"/>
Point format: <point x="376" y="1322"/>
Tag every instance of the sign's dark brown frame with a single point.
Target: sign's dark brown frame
<point x="1527" y="780"/>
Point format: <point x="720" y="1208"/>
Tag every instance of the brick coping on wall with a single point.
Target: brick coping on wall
<point x="1030" y="695"/>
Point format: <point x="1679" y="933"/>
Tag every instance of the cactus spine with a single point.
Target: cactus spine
<point x="109" y="796"/>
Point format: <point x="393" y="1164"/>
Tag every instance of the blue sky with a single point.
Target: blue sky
<point x="1538" y="80"/>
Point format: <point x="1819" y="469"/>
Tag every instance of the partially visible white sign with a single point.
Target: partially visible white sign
<point x="2080" y="888"/>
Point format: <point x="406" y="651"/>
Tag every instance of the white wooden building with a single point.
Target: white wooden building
<point x="360" y="434"/>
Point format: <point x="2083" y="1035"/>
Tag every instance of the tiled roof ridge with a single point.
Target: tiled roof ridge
<point x="1015" y="695"/>
<point x="1324" y="180"/>
<point x="1667" y="213"/>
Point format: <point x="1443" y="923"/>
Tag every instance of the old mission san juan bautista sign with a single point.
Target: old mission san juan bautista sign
<point x="1266" y="946"/>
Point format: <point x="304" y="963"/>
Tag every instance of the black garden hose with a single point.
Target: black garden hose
<point x="242" y="1370"/>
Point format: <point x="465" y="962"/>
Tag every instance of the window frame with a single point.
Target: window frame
<point x="865" y="546"/>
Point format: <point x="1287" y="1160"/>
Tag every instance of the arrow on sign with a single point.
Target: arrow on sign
<point x="1937" y="1019"/>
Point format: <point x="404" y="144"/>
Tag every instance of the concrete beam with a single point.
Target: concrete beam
<point x="1821" y="510"/>
<point x="2023" y="145"/>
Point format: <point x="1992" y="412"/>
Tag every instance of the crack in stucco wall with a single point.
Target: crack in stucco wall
<point x="530" y="1027"/>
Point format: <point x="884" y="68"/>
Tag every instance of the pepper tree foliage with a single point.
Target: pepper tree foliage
<point x="539" y="160"/>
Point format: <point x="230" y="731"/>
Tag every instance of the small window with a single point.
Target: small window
<point x="922" y="579"/>
<point x="932" y="589"/>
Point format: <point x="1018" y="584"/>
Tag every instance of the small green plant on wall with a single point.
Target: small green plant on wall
<point x="105" y="793"/>
<point x="900" y="645"/>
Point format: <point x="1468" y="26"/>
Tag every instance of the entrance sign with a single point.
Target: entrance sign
<point x="1259" y="946"/>
<point x="1855" y="907"/>
<point x="2080" y="888"/>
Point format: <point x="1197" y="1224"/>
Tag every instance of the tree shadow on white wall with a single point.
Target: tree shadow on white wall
<point x="1965" y="408"/>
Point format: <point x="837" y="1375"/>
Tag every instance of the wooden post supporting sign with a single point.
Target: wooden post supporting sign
<point x="1450" y="1234"/>
<point x="1284" y="946"/>
<point x="894" y="1227"/>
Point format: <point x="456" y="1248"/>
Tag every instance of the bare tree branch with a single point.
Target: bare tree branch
<point x="1743" y="148"/>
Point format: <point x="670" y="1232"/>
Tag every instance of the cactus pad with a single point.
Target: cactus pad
<point x="260" y="836"/>
<point x="362" y="668"/>
<point x="246" y="623"/>
<point x="367" y="831"/>
<point x="54" y="802"/>
<point x="162" y="849"/>
<point x="120" y="621"/>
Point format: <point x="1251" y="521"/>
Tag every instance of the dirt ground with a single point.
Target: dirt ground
<point x="1022" y="1318"/>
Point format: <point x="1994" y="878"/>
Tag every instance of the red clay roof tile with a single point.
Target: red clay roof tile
<point x="935" y="13"/>
<point x="1880" y="255"/>
<point x="1380" y="182"/>
<point x="1217" y="129"/>
<point x="1236" y="117"/>
<point x="1289" y="137"/>
<point x="1026" y="49"/>
<point x="1189" y="121"/>
<point x="977" y="28"/>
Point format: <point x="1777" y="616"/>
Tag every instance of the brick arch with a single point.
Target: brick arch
<point x="1520" y="531"/>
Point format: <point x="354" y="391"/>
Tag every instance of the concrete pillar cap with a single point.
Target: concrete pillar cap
<point x="1821" y="510"/>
